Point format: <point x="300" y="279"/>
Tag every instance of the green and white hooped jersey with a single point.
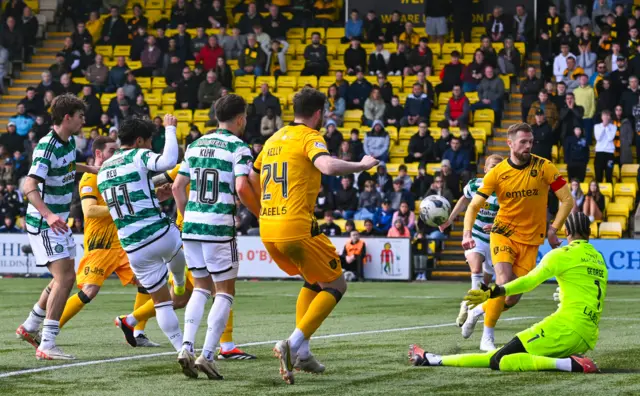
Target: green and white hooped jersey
<point x="125" y="184"/>
<point x="487" y="213"/>
<point x="212" y="163"/>
<point x="54" y="166"/>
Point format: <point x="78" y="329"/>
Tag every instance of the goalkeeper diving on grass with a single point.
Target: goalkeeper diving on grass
<point x="558" y="341"/>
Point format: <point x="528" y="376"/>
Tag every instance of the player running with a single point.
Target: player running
<point x="49" y="189"/>
<point x="521" y="184"/>
<point x="287" y="174"/>
<point x="217" y="167"/>
<point x="478" y="258"/>
<point x="151" y="240"/>
<point x="557" y="342"/>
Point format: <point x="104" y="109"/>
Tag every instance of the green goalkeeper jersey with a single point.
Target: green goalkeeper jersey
<point x="582" y="276"/>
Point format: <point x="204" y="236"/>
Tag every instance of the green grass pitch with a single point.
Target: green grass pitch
<point x="365" y="362"/>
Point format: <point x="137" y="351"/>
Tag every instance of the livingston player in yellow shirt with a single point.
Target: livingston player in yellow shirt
<point x="287" y="175"/>
<point x="521" y="184"/>
<point x="559" y="340"/>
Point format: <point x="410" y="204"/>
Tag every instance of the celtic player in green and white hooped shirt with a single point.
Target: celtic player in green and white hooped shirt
<point x="151" y="240"/>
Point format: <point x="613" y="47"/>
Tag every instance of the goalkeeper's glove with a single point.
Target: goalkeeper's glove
<point x="477" y="297"/>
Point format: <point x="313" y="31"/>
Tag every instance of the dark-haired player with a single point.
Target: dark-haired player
<point x="559" y="340"/>
<point x="49" y="189"/>
<point x="287" y="175"/>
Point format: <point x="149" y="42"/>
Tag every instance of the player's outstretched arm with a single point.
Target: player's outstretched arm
<point x="334" y="167"/>
<point x="247" y="195"/>
<point x="469" y="218"/>
<point x="92" y="210"/>
<point x="565" y="200"/>
<point x="82" y="168"/>
<point x="169" y="157"/>
<point x="179" y="189"/>
<point x="460" y="205"/>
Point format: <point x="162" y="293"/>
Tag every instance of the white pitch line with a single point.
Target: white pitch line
<point x="151" y="355"/>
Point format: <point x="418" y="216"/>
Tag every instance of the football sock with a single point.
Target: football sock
<point x="168" y="322"/>
<point x="527" y="362"/>
<point x="466" y="360"/>
<point x="226" y="339"/>
<point x="307" y="293"/>
<point x="216" y="321"/>
<point x="193" y="313"/>
<point x="141" y="298"/>
<point x="303" y="351"/>
<point x="476" y="279"/>
<point x="35" y="318"/>
<point x="488" y="331"/>
<point x="50" y="330"/>
<point x="74" y="304"/>
<point x="477" y="311"/>
<point x="177" y="265"/>
<point x="145" y="312"/>
<point x="492" y="309"/>
<point x="320" y="308"/>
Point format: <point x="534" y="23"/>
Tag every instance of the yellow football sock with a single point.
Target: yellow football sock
<point x="141" y="299"/>
<point x="145" y="312"/>
<point x="492" y="310"/>
<point x="74" y="305"/>
<point x="227" y="334"/>
<point x="468" y="360"/>
<point x="320" y="308"/>
<point x="307" y="293"/>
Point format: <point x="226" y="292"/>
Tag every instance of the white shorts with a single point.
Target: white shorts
<point x="149" y="263"/>
<point x="216" y="259"/>
<point x="49" y="247"/>
<point x="436" y="26"/>
<point x="484" y="249"/>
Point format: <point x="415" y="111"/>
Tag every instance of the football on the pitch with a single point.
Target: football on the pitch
<point x="434" y="210"/>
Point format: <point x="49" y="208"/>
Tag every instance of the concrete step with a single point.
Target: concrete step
<point x="450" y="263"/>
<point x="43" y="60"/>
<point x="59" y="35"/>
<point x="450" y="274"/>
<point x="53" y="43"/>
<point x="498" y="150"/>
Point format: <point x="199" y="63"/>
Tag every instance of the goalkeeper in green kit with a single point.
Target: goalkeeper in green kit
<point x="559" y="340"/>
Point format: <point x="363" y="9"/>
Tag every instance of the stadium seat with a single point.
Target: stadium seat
<point x="358" y="223"/>
<point x="433" y="168"/>
<point x="437" y="115"/>
<point x="104" y="50"/>
<point x="435" y="48"/>
<point x="444" y="97"/>
<point x="391" y="130"/>
<point x="473" y="97"/>
<point x="594" y="230"/>
<point x="399" y="151"/>
<point x="297" y="50"/>
<point x="395" y="81"/>
<point x="144" y="82"/>
<point x="245" y="82"/>
<point x="287" y="116"/>
<point x="201" y="115"/>
<point x="294" y="67"/>
<point x="287" y="82"/>
<point x="325" y="82"/>
<point x="153" y="5"/>
<point x="122" y="50"/>
<point x="393" y="169"/>
<point x="625" y="190"/>
<point x="484" y="115"/>
<point x="158" y="83"/>
<point x="313" y="30"/>
<point x="407" y="132"/>
<point x="184" y="115"/>
<point x="470" y="48"/>
<point x="497" y="46"/>
<point x="153" y="99"/>
<point x="412" y="169"/>
<point x="618" y="213"/>
<point x="283" y="97"/>
<point x="134" y="65"/>
<point x="106" y="98"/>
<point x="353" y="116"/>
<point x="295" y="33"/>
<point x="304" y="80"/>
<point x="448" y="48"/>
<point x="434" y="80"/>
<point x="169" y="99"/>
<point x="606" y="189"/>
<point x="609" y="230"/>
<point x="334" y="33"/>
<point x="269" y="80"/>
<point x="80" y="80"/>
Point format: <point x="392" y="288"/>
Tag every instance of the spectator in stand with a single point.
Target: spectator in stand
<point x="398" y="230"/>
<point x="179" y="13"/>
<point x="578" y="196"/>
<point x="41" y="127"/>
<point x="355" y="145"/>
<point x="497" y="26"/>
<point x="509" y="59"/>
<point x="97" y="74"/>
<point x="150" y="58"/>
<point x="32" y="104"/>
<point x="265" y="100"/>
<point x="550" y="110"/>
<point x="456" y="114"/>
<point x="276" y="24"/>
<point x="473" y="73"/>
<point x="261" y="37"/>
<point x="93" y="108"/>
<point x="580" y="18"/>
<point x="383" y="217"/>
<point x="48" y="100"/>
<point x="377" y="142"/>
<point x="437" y="12"/>
<point x="586" y="57"/>
<point x="543" y="136"/>
<point x="173" y="74"/>
<point x="138" y="44"/>
<point x="605" y="134"/>
<point x="594" y="202"/>
<point x="372" y="28"/>
<point x="468" y="144"/>
<point x="529" y="88"/>
<point x="417" y="107"/>
<point x="217" y="16"/>
<point x="183" y="42"/>
<point x="324" y="202"/>
<point x="353" y="28"/>
<point x="353" y="257"/>
<point x="459" y="159"/>
<point x="442" y="144"/>
<point x="491" y="94"/>
<point x="369" y="229"/>
<point x="68" y="86"/>
<point x="523" y="25"/>
<point x="358" y="92"/>
<point x="270" y="123"/>
<point x="379" y="59"/>
<point x="571" y="116"/>
<point x="12" y="39"/>
<point x="187" y="91"/>
<point x="559" y="98"/>
<point x="342" y="84"/>
<point x="199" y="41"/>
<point x="233" y="45"/>
<point x="223" y="71"/>
<point x="334" y="107"/>
<point x="11" y="140"/>
<point x="451" y="74"/>
<point x="634" y="59"/>
<point x="22" y="121"/>
<point x="276" y="57"/>
<point x="209" y="90"/>
<point x="421" y="56"/>
<point x="368" y="202"/>
<point x="209" y="54"/>
<point x="355" y="58"/>
<point x="131" y="88"/>
<point x="630" y="98"/>
<point x="80" y="37"/>
<point x="333" y="137"/>
<point x="115" y="31"/>
<point x="386" y="89"/>
<point x="374" y="107"/>
<point x="393" y="113"/>
<point x="439" y="187"/>
<point x="399" y="61"/>
<point x="571" y="74"/>
<point x="421" y="183"/>
<point x="138" y="20"/>
<point x="315" y="55"/>
<point x="409" y="36"/>
<point x="117" y="75"/>
<point x="560" y="61"/>
<point x="624" y="137"/>
<point x="59" y="68"/>
<point x="421" y="146"/>
<point x="347" y="198"/>
<point x="252" y="60"/>
<point x="249" y="19"/>
<point x="611" y="61"/>
<point x="329" y="228"/>
<point x="585" y="98"/>
<point x="620" y="77"/>
<point x="394" y="28"/>
<point x="490" y="54"/>
<point x="140" y="108"/>
<point x="113" y="110"/>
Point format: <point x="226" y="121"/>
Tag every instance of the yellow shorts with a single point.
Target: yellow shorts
<point x="314" y="258"/>
<point x="97" y="265"/>
<point x="522" y="257"/>
<point x="189" y="284"/>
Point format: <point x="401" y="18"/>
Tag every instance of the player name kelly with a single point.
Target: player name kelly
<point x="274" y="151"/>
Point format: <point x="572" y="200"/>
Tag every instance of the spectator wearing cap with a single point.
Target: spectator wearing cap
<point x="560" y="61"/>
<point x="456" y="114"/>
<point x="543" y="136"/>
<point x="451" y="74"/>
<point x="21" y="120"/>
<point x="353" y="27"/>
<point x="329" y="228"/>
<point x="11" y="140"/>
<point x="379" y="59"/>
<point x="550" y="109"/>
<point x="421" y="56"/>
<point x="346" y="198"/>
<point x="355" y="58"/>
<point x="383" y="217"/>
<point x="620" y="77"/>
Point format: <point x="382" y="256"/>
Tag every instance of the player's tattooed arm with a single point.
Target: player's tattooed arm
<point x="460" y="205"/>
<point x="469" y="218"/>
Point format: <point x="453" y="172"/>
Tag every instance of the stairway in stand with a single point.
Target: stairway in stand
<point x="451" y="263"/>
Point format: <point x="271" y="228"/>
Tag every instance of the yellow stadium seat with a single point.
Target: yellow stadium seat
<point x="624" y="190"/>
<point x="407" y="132"/>
<point x="434" y="80"/>
<point x="477" y="133"/>
<point x="359" y="225"/>
<point x="629" y="170"/>
<point x="332" y="51"/>
<point x="295" y="34"/>
<point x="562" y="168"/>
<point x="184" y="115"/>
<point x="433" y="168"/>
<point x="350" y="79"/>
<point x="295" y="66"/>
<point x="606" y="189"/>
<point x="520" y="46"/>
<point x="153" y="99"/>
<point x="287" y="82"/>
<point x="444" y="97"/>
<point x="201" y="115"/>
<point x="484" y="115"/>
<point x="298" y="50"/>
<point x="395" y="81"/>
<point x="106" y="98"/>
<point x="391" y="130"/>
<point x="105" y="50"/>
<point x="169" y="99"/>
<point x="269" y="80"/>
<point x="497" y="46"/>
<point x="594" y="230"/>
<point x="334" y="33"/>
<point x="353" y="116"/>
<point x="435" y="48"/>
<point x="398" y="152"/>
<point x="144" y="82"/>
<point x="437" y="115"/>
<point x="325" y="82"/>
<point x="304" y="80"/>
<point x="473" y="97"/>
<point x="335" y="66"/>
<point x="313" y="30"/>
<point x="122" y="50"/>
<point x="610" y="230"/>
<point x="402" y="97"/>
<point x="158" y="83"/>
<point x="470" y="48"/>
<point x="507" y="82"/>
<point x="629" y="202"/>
<point x="245" y="82"/>
<point x="154" y="5"/>
<point x="134" y="65"/>
<point x="168" y="109"/>
<point x="448" y="48"/>
<point x="201" y="127"/>
<point x="287" y="115"/>
<point x="80" y="80"/>
<point x="283" y="97"/>
<point x="352" y="124"/>
<point x="412" y="169"/>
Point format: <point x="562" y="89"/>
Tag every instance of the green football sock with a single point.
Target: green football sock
<point x="468" y="360"/>
<point x="527" y="362"/>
